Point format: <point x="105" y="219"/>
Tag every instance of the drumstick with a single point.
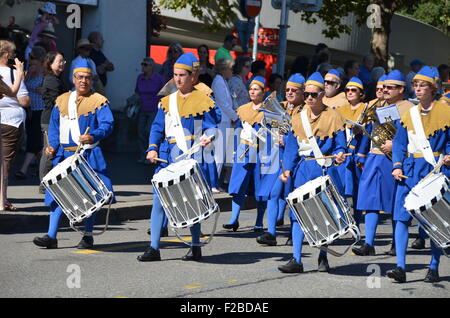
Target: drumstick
<point x="79" y="146"/>
<point x="46" y="138"/>
<point x="326" y="157"/>
<point x="438" y="166"/>
<point x="402" y="176"/>
<point x="161" y="160"/>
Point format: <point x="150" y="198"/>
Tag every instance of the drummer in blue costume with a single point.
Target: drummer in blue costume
<point x="247" y="161"/>
<point x="168" y="139"/>
<point x="377" y="187"/>
<point x="271" y="185"/>
<point x="415" y="161"/>
<point x="327" y="127"/>
<point x="350" y="171"/>
<point x="91" y="110"/>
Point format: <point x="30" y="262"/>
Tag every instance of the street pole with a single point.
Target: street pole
<point x="255" y="38"/>
<point x="283" y="37"/>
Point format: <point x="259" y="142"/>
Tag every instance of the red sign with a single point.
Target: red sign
<point x="267" y="37"/>
<point x="253" y="7"/>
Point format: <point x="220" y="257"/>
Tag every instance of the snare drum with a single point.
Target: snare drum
<point x="429" y="203"/>
<point x="184" y="193"/>
<point x="322" y="213"/>
<point x="76" y="188"/>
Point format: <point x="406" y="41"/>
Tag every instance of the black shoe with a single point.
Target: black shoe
<point x="280" y="222"/>
<point x="289" y="241"/>
<point x="364" y="250"/>
<point x="150" y="255"/>
<point x="194" y="254"/>
<point x="418" y="244"/>
<point x="432" y="276"/>
<point x="258" y="229"/>
<point x="291" y="267"/>
<point x="87" y="242"/>
<point x="234" y="226"/>
<point x="267" y="239"/>
<point x="398" y="274"/>
<point x="323" y="264"/>
<point x="46" y="241"/>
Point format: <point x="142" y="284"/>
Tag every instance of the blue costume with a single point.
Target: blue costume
<point x="377" y="187"/>
<point x="247" y="162"/>
<point x="408" y="157"/>
<point x="271" y="185"/>
<point x="93" y="111"/>
<point x="328" y="130"/>
<point x="198" y="115"/>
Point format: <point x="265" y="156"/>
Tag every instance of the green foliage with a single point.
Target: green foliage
<point x="435" y="13"/>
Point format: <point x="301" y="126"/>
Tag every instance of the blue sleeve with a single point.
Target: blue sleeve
<point x="291" y="157"/>
<point x="53" y="129"/>
<point x="399" y="147"/>
<point x="340" y="142"/>
<point x="105" y="120"/>
<point x="157" y="131"/>
<point x="364" y="145"/>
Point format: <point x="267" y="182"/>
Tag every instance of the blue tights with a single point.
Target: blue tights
<point x="275" y="213"/>
<point x="236" y="205"/>
<point x="55" y="217"/>
<point x="297" y="241"/>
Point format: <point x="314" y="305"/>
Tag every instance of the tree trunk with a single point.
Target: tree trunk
<point x="380" y="36"/>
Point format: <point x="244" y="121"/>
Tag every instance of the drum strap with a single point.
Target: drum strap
<point x="173" y="123"/>
<point x="312" y="140"/>
<point x="422" y="141"/>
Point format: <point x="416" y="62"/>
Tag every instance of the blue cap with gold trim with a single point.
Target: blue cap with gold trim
<point x="381" y="80"/>
<point x="334" y="73"/>
<point x="316" y="79"/>
<point x="187" y="61"/>
<point x="426" y="74"/>
<point x="355" y="81"/>
<point x="296" y="80"/>
<point x="395" y="77"/>
<point x="82" y="65"/>
<point x="260" y="81"/>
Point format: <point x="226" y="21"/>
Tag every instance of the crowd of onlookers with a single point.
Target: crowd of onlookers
<point x="29" y="89"/>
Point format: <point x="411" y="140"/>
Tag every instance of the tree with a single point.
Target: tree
<point x="217" y="13"/>
<point x="432" y="12"/>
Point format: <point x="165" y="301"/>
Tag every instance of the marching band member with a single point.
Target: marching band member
<point x="247" y="164"/>
<point x="423" y="137"/>
<point x="327" y="127"/>
<point x="271" y="185"/>
<point x="333" y="98"/>
<point x="90" y="110"/>
<point x="176" y="116"/>
<point x="350" y="171"/>
<point x="377" y="187"/>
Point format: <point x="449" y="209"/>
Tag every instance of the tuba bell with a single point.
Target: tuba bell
<point x="275" y="115"/>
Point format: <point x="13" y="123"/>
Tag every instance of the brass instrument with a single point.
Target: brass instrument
<point x="275" y="115"/>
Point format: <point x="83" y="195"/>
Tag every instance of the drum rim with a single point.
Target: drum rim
<point x="178" y="178"/>
<point x="65" y="169"/>
<point x="429" y="203"/>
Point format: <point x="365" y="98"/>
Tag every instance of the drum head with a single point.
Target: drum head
<point x="425" y="193"/>
<point x="62" y="169"/>
<point x="310" y="189"/>
<point x="175" y="172"/>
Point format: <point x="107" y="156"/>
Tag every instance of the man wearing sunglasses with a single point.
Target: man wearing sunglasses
<point x="333" y="98"/>
<point x="327" y="127"/>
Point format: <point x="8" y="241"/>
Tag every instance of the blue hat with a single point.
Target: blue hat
<point x="82" y="65"/>
<point x="187" y="61"/>
<point x="436" y="73"/>
<point x="296" y="80"/>
<point x="355" y="81"/>
<point x="49" y="7"/>
<point x="259" y="80"/>
<point x="426" y="74"/>
<point x="316" y="79"/>
<point x="416" y="62"/>
<point x="396" y="78"/>
<point x="334" y="73"/>
<point x="381" y="80"/>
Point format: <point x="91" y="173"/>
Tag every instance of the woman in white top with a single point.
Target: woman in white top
<point x="224" y="101"/>
<point x="12" y="114"/>
<point x="238" y="90"/>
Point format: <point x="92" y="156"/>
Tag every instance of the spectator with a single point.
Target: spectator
<point x="173" y="53"/>
<point x="443" y="70"/>
<point x="415" y="65"/>
<point x="223" y="52"/>
<point x="224" y="101"/>
<point x="52" y="87"/>
<point x="323" y="58"/>
<point x="323" y="68"/>
<point x="365" y="69"/>
<point x="300" y="65"/>
<point x="351" y="69"/>
<point x="12" y="23"/>
<point x="102" y="64"/>
<point x="321" y="47"/>
<point x="11" y="112"/>
<point x="47" y="15"/>
<point x="375" y="74"/>
<point x="33" y="80"/>
<point x="48" y="38"/>
<point x="148" y="84"/>
<point x="238" y="90"/>
<point x="258" y="68"/>
<point x="84" y="51"/>
<point x="274" y="84"/>
<point x="206" y="68"/>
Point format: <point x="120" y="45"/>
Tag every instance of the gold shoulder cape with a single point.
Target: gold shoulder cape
<point x="196" y="104"/>
<point x="247" y="114"/>
<point x="437" y="119"/>
<point x="85" y="105"/>
<point x="294" y="110"/>
<point x="327" y="124"/>
<point x="347" y="112"/>
<point x="205" y="89"/>
<point x="336" y="102"/>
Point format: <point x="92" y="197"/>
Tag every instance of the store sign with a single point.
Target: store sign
<point x="267" y="37"/>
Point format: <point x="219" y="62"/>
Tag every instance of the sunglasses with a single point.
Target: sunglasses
<point x="353" y="90"/>
<point x="389" y="88"/>
<point x="330" y="83"/>
<point x="312" y="94"/>
<point x="379" y="89"/>
<point x="293" y="90"/>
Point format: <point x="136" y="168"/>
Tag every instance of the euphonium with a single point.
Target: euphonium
<point x="275" y="115"/>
